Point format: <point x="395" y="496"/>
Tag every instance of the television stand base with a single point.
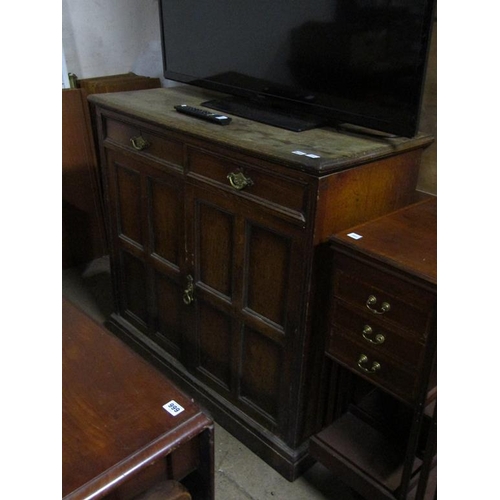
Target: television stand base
<point x="262" y="113"/>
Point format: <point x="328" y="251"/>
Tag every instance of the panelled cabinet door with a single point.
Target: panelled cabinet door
<point x="148" y="247"/>
<point x="247" y="270"/>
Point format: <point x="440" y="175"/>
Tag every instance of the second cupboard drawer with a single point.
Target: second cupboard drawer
<point x="245" y="179"/>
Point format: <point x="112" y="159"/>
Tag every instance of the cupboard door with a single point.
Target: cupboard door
<point x="148" y="247"/>
<point x="247" y="269"/>
<point x="212" y="233"/>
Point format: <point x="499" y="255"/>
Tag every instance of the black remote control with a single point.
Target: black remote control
<point x="203" y="114"/>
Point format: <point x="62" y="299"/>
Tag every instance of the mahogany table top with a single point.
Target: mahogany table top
<point x="113" y="419"/>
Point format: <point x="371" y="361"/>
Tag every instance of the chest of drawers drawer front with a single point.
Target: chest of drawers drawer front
<point x="248" y="180"/>
<point x="383" y="295"/>
<point x="370" y="332"/>
<point x="144" y="141"/>
<point x="372" y="365"/>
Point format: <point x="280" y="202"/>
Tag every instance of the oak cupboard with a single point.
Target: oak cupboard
<point x="218" y="237"/>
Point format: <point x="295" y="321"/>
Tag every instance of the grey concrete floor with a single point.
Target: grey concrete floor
<point x="239" y="473"/>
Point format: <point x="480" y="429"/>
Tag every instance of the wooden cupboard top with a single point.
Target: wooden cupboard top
<point x="405" y="239"/>
<point x="336" y="151"/>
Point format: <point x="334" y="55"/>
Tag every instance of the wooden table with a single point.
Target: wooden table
<point x="118" y="439"/>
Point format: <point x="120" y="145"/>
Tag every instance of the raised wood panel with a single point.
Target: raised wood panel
<point x="260" y="372"/>
<point x="214" y="344"/>
<point x="268" y="265"/>
<point x="134" y="288"/>
<point x="128" y="188"/>
<point x="168" y="318"/>
<point x="215" y="230"/>
<point x="166" y="215"/>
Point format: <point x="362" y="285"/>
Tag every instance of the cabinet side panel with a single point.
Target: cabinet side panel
<point x="360" y="194"/>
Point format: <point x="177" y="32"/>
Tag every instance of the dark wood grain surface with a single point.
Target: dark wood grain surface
<point x="383" y="311"/>
<point x="114" y="423"/>
<point x="225" y="286"/>
<point x="405" y="239"/>
<point x="335" y="150"/>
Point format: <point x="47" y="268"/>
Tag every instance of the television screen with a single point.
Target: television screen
<point x="358" y="62"/>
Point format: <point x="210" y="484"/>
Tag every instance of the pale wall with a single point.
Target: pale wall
<point x="106" y="37"/>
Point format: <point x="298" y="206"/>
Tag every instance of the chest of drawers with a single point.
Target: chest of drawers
<point x="380" y="326"/>
<point x="382" y="329"/>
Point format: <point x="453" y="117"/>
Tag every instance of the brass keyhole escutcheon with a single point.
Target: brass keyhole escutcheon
<point x="188" y="295"/>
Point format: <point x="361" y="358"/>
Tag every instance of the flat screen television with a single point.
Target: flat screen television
<point x="300" y="64"/>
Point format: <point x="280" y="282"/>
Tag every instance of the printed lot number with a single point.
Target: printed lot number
<point x="173" y="408"/>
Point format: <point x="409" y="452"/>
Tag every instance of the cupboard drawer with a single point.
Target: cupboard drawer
<point x="145" y="142"/>
<point x="377" y="335"/>
<point x="362" y="360"/>
<point x="248" y="180"/>
<point x="383" y="296"/>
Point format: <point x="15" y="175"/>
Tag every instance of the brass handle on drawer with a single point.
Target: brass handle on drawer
<point x="372" y="300"/>
<point x="139" y="143"/>
<point x="378" y="339"/>
<point x="188" y="295"/>
<point x="363" y="359"/>
<point x="239" y="181"/>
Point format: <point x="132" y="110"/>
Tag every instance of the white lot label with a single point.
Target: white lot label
<point x="173" y="408"/>
<point x="354" y="236"/>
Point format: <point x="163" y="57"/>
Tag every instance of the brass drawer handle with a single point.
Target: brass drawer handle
<point x="239" y="181"/>
<point x="364" y="359"/>
<point x="188" y="295"/>
<point x="139" y="143"/>
<point x="378" y="339"/>
<point x="372" y="300"/>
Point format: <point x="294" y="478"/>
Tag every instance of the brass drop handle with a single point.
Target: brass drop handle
<point x="239" y="181"/>
<point x="139" y="143"/>
<point x="372" y="300"/>
<point x="364" y="359"/>
<point x="188" y="295"/>
<point x="378" y="339"/>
